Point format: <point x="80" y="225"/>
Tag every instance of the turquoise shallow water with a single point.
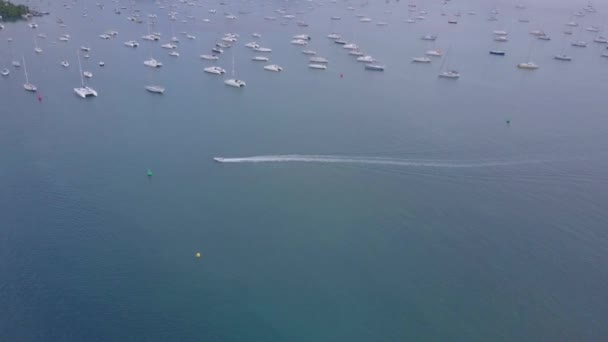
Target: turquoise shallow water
<point x="510" y="247"/>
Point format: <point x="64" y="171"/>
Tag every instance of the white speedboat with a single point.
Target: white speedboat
<point x="256" y="35"/>
<point x="37" y="50"/>
<point x="156" y="89"/>
<point x="501" y="39"/>
<point x="215" y="70"/>
<point x="299" y="42"/>
<point x="169" y="46"/>
<point x="174" y="54"/>
<point x="210" y="57"/>
<point x="450" y="74"/>
<point x="273" y="67"/>
<point x="217" y="50"/>
<point x="104" y="36"/>
<point x="601" y="40"/>
<point x="528" y="65"/>
<point x="153" y="63"/>
<point x="235" y="83"/>
<point x="84" y="48"/>
<point x="87" y="74"/>
<point x="434" y="53"/>
<point x="356" y="53"/>
<point x="102" y="63"/>
<point x="350" y="46"/>
<point x="366" y="59"/>
<point x="309" y="52"/>
<point x="421" y="60"/>
<point x="579" y="43"/>
<point x="260" y="59"/>
<point x="500" y="33"/>
<point x="132" y="43"/>
<point x="318" y="60"/>
<point x="563" y="57"/>
<point x="430" y="37"/>
<point x="191" y="37"/>
<point x="263" y="49"/>
<point x="65" y="64"/>
<point x="252" y="45"/>
<point x="64" y="39"/>
<point x="317" y="66"/>
<point x="334" y="36"/>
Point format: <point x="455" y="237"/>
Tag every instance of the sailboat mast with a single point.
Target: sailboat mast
<point x="232" y="64"/>
<point x="80" y="69"/>
<point x="25" y="70"/>
<point x="445" y="58"/>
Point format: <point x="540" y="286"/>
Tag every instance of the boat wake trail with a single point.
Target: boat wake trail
<point x="296" y="158"/>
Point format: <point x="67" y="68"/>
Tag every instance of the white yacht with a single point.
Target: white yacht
<point x="27" y="85"/>
<point x="87" y="74"/>
<point x="215" y="70"/>
<point x="84" y="91"/>
<point x="217" y="50"/>
<point x="500" y="33"/>
<point x="156" y="89"/>
<point x="601" y="40"/>
<point x="501" y="39"/>
<point x="579" y="43"/>
<point x="234" y="82"/>
<point x="37" y="50"/>
<point x="563" y="57"/>
<point x="252" y="45"/>
<point x="365" y="20"/>
<point x="366" y="59"/>
<point x="5" y="72"/>
<point x="356" y="53"/>
<point x="527" y="65"/>
<point x="273" y="67"/>
<point x="151" y="37"/>
<point x="434" y="53"/>
<point x="450" y="74"/>
<point x="64" y="39"/>
<point x="299" y="42"/>
<point x="104" y="36"/>
<point x="302" y="37"/>
<point x="65" y="63"/>
<point x="256" y="35"/>
<point x="84" y="48"/>
<point x="169" y="46"/>
<point x="334" y="36"/>
<point x="174" y="54"/>
<point x="16" y="64"/>
<point x="350" y="46"/>
<point x="191" y="37"/>
<point x="421" y="60"/>
<point x="153" y="63"/>
<point x="309" y="52"/>
<point x="317" y="66"/>
<point x="318" y="60"/>
<point x="263" y="49"/>
<point x="132" y="43"/>
<point x="260" y="59"/>
<point x="210" y="57"/>
<point x="430" y="37"/>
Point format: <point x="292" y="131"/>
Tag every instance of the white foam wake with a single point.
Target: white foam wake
<point x="295" y="158"/>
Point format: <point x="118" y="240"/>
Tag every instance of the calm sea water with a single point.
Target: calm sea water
<point x="496" y="233"/>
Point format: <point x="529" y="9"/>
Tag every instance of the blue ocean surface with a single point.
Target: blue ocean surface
<point x="350" y="205"/>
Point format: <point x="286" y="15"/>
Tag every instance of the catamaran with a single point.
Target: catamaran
<point x="83" y="91"/>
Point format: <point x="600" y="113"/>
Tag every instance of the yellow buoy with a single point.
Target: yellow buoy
<point x="198" y="254"/>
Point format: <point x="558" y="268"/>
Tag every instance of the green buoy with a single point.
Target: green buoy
<point x="149" y="173"/>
